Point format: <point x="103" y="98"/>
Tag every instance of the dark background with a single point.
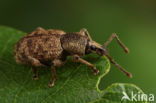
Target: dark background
<point x="134" y="22"/>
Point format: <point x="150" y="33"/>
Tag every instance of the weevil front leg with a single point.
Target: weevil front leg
<point x="77" y="58"/>
<point x="118" y="40"/>
<point x="35" y="74"/>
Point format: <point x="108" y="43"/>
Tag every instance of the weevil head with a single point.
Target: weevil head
<point x="94" y="47"/>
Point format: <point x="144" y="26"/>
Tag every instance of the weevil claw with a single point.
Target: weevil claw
<point x="96" y="72"/>
<point x="35" y="78"/>
<point x="51" y="84"/>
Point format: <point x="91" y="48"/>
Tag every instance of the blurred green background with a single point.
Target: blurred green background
<point x="134" y="22"/>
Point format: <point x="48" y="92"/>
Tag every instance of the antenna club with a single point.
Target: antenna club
<point x="126" y="50"/>
<point x="129" y="75"/>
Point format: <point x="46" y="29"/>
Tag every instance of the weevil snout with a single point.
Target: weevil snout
<point x="101" y="51"/>
<point x="97" y="48"/>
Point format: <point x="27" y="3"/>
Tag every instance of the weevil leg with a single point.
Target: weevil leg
<point x="35" y="76"/>
<point x="35" y="62"/>
<point x="57" y="63"/>
<point x="77" y="58"/>
<point x="118" y="40"/>
<point x="39" y="28"/>
<point x="38" y="31"/>
<point x="53" y="76"/>
<point x="86" y="33"/>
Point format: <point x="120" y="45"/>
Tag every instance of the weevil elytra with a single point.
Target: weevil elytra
<point x="51" y="48"/>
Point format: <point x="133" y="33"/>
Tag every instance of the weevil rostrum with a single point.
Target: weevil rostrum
<point x="51" y="47"/>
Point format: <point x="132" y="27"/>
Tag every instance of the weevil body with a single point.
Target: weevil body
<point x="51" y="48"/>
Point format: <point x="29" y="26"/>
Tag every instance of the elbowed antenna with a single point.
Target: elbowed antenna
<point x="118" y="66"/>
<point x="118" y="40"/>
<point x="111" y="59"/>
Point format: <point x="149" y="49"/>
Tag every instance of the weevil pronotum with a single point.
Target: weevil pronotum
<point x="51" y="48"/>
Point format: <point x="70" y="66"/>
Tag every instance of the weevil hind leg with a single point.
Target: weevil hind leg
<point x="35" y="75"/>
<point x="77" y="58"/>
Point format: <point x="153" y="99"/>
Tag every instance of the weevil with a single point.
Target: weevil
<point x="51" y="47"/>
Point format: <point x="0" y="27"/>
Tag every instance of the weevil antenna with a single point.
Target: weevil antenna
<point x="118" y="40"/>
<point x="118" y="66"/>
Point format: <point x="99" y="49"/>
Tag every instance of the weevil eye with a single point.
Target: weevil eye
<point x="92" y="47"/>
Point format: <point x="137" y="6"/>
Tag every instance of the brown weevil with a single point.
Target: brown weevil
<point x="51" y="48"/>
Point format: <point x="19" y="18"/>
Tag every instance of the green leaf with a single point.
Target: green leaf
<point x="114" y="94"/>
<point x="75" y="82"/>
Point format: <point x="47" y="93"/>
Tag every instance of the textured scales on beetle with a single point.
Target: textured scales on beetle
<point x="51" y="47"/>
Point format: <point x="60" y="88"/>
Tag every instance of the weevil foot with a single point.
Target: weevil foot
<point x="51" y="84"/>
<point x="95" y="71"/>
<point x="35" y="77"/>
